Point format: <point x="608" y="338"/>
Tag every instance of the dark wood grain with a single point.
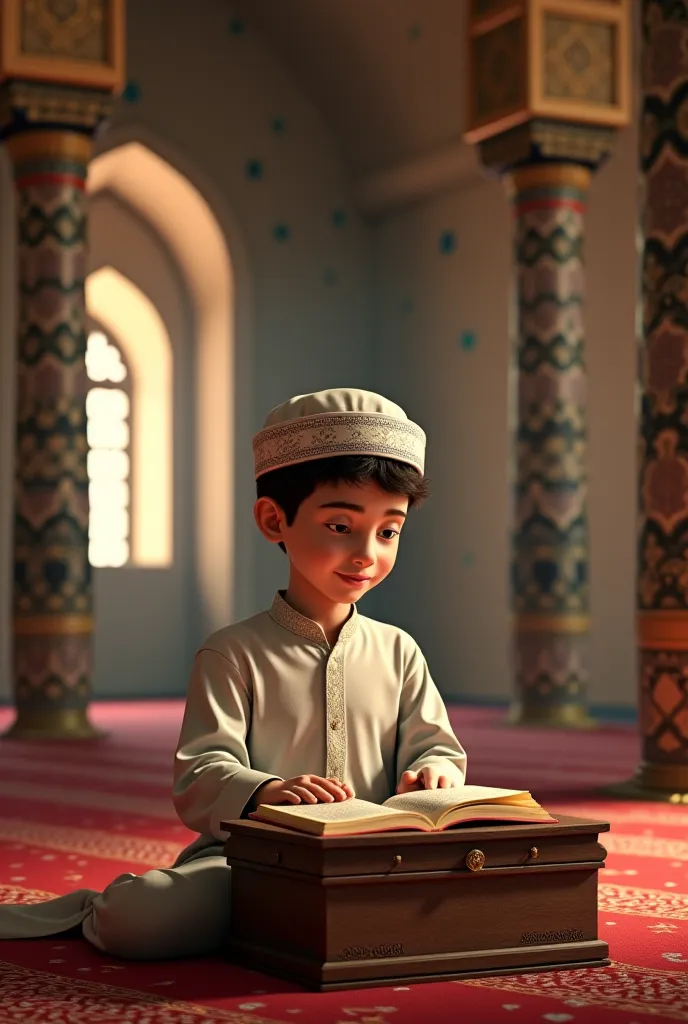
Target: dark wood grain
<point x="387" y="908"/>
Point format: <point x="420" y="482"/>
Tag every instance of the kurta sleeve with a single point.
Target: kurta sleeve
<point x="213" y="779"/>
<point x="424" y="734"/>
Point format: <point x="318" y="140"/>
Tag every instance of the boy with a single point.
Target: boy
<point x="306" y="702"/>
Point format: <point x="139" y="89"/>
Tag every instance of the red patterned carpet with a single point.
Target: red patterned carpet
<point x="77" y="817"/>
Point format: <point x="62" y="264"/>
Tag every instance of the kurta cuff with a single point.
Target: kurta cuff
<point x="232" y="800"/>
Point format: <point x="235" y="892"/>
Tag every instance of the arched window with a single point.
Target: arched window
<point x="108" y="417"/>
<point x="136" y="360"/>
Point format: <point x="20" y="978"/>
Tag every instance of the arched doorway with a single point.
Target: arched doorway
<point x="166" y="200"/>
<point x="195" y="593"/>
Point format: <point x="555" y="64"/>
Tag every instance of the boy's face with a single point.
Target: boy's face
<point x="344" y="539"/>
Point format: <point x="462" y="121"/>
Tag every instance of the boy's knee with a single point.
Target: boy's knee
<point x="155" y="916"/>
<point x="125" y="919"/>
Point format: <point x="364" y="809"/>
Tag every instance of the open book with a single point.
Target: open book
<point x="426" y="810"/>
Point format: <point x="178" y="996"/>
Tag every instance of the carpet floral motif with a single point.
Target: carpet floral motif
<point x="101" y="814"/>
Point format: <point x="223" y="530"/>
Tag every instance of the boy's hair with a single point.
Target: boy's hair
<point x="291" y="485"/>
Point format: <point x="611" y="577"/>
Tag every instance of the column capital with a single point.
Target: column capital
<point x="26" y="106"/>
<point x="547" y="142"/>
<point x="60" y="66"/>
<point x="549" y="80"/>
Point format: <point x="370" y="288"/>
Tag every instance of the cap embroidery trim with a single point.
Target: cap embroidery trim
<point x="325" y="434"/>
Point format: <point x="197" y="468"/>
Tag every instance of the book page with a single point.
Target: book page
<point x="338" y="810"/>
<point x="433" y="802"/>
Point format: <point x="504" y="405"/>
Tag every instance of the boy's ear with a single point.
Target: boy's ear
<point x="270" y="519"/>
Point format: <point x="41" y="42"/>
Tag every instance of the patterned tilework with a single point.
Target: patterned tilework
<point x="663" y="545"/>
<point x="52" y="576"/>
<point x="550" y="541"/>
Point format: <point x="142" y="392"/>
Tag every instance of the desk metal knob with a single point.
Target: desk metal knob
<point x="533" y="853"/>
<point x="397" y="859"/>
<point x="475" y="860"/>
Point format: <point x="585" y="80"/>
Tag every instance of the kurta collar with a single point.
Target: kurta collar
<point x="284" y="615"/>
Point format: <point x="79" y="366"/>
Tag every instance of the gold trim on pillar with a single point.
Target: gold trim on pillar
<point x="663" y="630"/>
<point x="532" y="623"/>
<point x="56" y="724"/>
<point x="41" y="145"/>
<point x="548" y="175"/>
<point x="559" y="716"/>
<point x="53" y="625"/>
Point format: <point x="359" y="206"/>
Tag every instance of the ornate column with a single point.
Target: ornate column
<point x="549" y="84"/>
<point x="662" y="593"/>
<point x="60" y="65"/>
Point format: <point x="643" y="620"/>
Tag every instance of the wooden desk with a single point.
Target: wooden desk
<point x="399" y="907"/>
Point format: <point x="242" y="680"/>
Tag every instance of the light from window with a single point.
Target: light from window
<point x="107" y="427"/>
<point x="103" y="360"/>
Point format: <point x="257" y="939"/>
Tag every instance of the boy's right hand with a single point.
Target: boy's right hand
<point x="307" y="789"/>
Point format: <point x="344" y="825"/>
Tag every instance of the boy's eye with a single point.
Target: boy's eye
<point x="342" y="529"/>
<point x="337" y="527"/>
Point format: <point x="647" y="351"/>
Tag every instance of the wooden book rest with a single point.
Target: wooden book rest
<point x="398" y="907"/>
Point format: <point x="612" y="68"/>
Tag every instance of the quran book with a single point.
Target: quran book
<point x="425" y="810"/>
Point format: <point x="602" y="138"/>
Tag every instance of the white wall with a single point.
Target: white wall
<point x="306" y="333"/>
<point x="145" y="617"/>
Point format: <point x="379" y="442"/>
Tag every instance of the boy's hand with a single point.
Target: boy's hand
<point x="426" y="778"/>
<point x="307" y="789"/>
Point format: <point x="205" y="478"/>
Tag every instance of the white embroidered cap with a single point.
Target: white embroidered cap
<point x="342" y="421"/>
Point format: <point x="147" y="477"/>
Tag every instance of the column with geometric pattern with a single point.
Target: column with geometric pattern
<point x="662" y="592"/>
<point x="549" y="85"/>
<point x="52" y="603"/>
<point x="60" y="66"/>
<point x="550" y="597"/>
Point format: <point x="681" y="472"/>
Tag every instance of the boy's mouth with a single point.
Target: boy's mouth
<point x="353" y="579"/>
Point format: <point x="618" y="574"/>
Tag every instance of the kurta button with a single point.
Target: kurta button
<point x="334" y="724"/>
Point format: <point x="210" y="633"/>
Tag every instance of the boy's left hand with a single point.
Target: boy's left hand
<point x="426" y="778"/>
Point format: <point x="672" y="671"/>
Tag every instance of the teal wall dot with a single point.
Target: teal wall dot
<point x="468" y="340"/>
<point x="330" y="276"/>
<point x="254" y="170"/>
<point x="131" y="92"/>
<point x="406" y="304"/>
<point x="415" y="32"/>
<point x="339" y="217"/>
<point x="237" y="26"/>
<point x="281" y="232"/>
<point x="467" y="559"/>
<point x="278" y="125"/>
<point x="447" y="243"/>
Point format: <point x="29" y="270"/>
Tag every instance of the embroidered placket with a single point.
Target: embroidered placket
<point x="335" y="704"/>
<point x="335" y="715"/>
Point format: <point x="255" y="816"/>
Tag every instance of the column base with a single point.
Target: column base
<point x="661" y="783"/>
<point x="562" y="716"/>
<point x="56" y="724"/>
